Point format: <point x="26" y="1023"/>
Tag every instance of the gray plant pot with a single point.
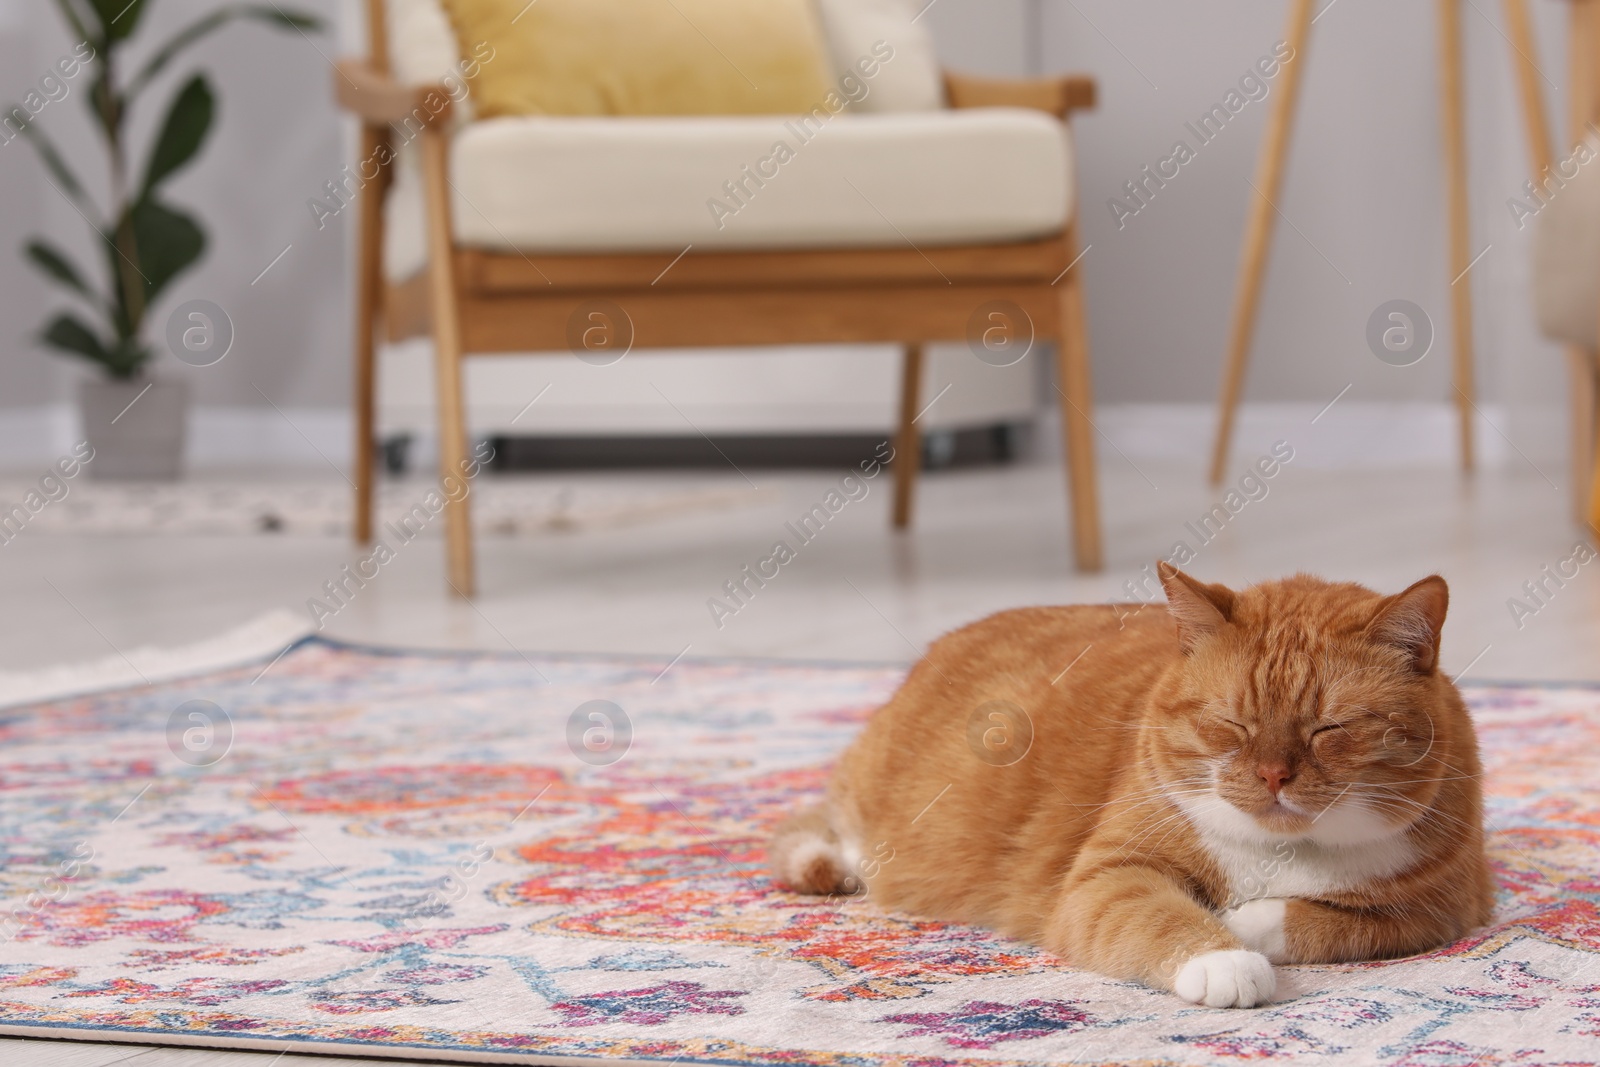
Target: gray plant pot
<point x="143" y="441"/>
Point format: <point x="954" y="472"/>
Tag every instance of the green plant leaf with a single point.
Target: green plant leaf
<point x="67" y="333"/>
<point x="182" y="134"/>
<point x="127" y="358"/>
<point x="119" y="18"/>
<point x="94" y="100"/>
<point x="169" y="242"/>
<point x="209" y="24"/>
<point x="74" y="20"/>
<point x="57" y="266"/>
<point x="65" y="179"/>
<point x="165" y="242"/>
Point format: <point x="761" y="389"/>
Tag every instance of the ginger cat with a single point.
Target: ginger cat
<point x="1281" y="774"/>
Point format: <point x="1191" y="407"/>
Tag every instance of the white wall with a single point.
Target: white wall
<point x="1364" y="187"/>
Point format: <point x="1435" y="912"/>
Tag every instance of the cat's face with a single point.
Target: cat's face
<point x="1304" y="710"/>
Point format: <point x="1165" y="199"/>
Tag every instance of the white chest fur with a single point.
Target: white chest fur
<point x="1345" y="854"/>
<point x="1303" y="868"/>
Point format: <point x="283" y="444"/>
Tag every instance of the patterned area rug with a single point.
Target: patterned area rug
<point x="462" y="857"/>
<point x="504" y="505"/>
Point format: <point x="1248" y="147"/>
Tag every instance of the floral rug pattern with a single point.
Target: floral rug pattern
<point x="490" y="858"/>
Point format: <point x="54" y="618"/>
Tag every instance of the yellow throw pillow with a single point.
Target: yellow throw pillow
<point x="644" y="57"/>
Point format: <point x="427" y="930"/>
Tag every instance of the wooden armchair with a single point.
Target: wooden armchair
<point x="479" y="302"/>
<point x="1566" y="259"/>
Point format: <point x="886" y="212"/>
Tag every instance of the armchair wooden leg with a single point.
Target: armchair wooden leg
<point x="1455" y="151"/>
<point x="369" y="286"/>
<point x="447" y="359"/>
<point x="908" y="439"/>
<point x="1077" y="418"/>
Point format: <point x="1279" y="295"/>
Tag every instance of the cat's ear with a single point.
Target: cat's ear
<point x="1198" y="608"/>
<point x="1411" y="621"/>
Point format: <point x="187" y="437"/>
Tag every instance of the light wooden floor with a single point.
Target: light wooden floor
<point x="985" y="540"/>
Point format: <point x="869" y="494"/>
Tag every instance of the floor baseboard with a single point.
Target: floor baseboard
<point x="1346" y="434"/>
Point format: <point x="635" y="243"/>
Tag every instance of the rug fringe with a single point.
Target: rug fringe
<point x="261" y="638"/>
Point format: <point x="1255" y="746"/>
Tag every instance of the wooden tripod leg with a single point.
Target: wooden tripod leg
<point x="1592" y="516"/>
<point x="1519" y="34"/>
<point x="444" y="298"/>
<point x="1077" y="419"/>
<point x="1258" y="233"/>
<point x="1583" y="107"/>
<point x="908" y="440"/>
<point x="1453" y="123"/>
<point x="369" y="297"/>
<point x="1581" y="365"/>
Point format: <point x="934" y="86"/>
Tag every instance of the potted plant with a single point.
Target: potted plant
<point x="136" y="424"/>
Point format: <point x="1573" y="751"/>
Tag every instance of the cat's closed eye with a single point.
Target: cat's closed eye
<point x="1222" y="732"/>
<point x="1330" y="737"/>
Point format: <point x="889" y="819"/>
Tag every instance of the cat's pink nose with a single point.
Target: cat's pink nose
<point x="1274" y="774"/>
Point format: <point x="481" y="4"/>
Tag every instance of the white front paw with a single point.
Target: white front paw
<point x="1232" y="978"/>
<point x="1259" y="924"/>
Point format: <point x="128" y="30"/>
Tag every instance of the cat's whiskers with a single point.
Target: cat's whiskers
<point x="1144" y="794"/>
<point x="1435" y="815"/>
<point x="1133" y="726"/>
<point x="1134" y="842"/>
<point x="1177" y="812"/>
<point x="1423" y="811"/>
<point x="1154" y="797"/>
<point x="1153" y="801"/>
<point x="1424" y="781"/>
<point x="1185" y="827"/>
<point x="1426" y="811"/>
<point x="1447" y="765"/>
<point x="1164" y="812"/>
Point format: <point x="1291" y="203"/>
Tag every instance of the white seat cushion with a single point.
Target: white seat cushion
<point x="1566" y="255"/>
<point x="654" y="184"/>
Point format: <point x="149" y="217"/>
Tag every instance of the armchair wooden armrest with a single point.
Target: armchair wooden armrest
<point x="1058" y="95"/>
<point x="376" y="98"/>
